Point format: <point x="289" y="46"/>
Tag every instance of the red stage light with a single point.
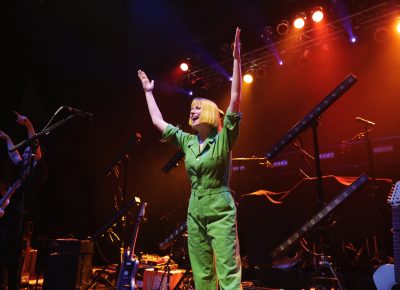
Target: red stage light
<point x="184" y="66"/>
<point x="248" y="78"/>
<point x="300" y="21"/>
<point x="398" y="25"/>
<point x="317" y="14"/>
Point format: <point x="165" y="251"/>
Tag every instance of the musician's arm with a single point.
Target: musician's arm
<point x="14" y="155"/>
<point x="24" y="121"/>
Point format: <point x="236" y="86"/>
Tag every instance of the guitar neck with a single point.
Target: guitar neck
<point x="396" y="242"/>
<point x="10" y="192"/>
<point x="136" y="229"/>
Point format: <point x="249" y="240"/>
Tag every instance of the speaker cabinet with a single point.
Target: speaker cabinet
<point x="68" y="264"/>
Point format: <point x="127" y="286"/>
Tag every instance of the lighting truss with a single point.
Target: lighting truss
<point x="367" y="19"/>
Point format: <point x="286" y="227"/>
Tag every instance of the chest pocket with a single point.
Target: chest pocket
<point x="206" y="171"/>
<point x="210" y="164"/>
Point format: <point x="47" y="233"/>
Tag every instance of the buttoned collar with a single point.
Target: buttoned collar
<point x="195" y="141"/>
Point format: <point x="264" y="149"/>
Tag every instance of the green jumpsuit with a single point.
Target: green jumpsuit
<point x="211" y="219"/>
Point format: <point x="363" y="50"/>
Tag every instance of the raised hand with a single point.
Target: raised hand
<point x="236" y="86"/>
<point x="147" y="85"/>
<point x="23" y="120"/>
<point x="236" y="44"/>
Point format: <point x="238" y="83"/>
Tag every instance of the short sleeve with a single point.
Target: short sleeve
<point x="176" y="136"/>
<point x="231" y="126"/>
<point x="232" y="120"/>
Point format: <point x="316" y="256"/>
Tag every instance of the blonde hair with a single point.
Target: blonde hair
<point x="210" y="114"/>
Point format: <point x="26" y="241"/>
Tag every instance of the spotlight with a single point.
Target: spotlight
<point x="398" y="26"/>
<point x="248" y="78"/>
<point x="300" y="20"/>
<point x="353" y="39"/>
<point x="317" y="14"/>
<point x="184" y="66"/>
<point x="190" y="93"/>
<point x="261" y="72"/>
<point x="267" y="33"/>
<point x="381" y="34"/>
<point x="283" y="27"/>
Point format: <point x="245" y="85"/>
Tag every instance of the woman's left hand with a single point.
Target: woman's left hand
<point x="236" y="44"/>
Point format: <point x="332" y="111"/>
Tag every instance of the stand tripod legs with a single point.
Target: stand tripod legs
<point x="335" y="276"/>
<point x="324" y="263"/>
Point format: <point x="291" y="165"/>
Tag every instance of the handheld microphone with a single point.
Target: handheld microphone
<point x="80" y="113"/>
<point x="359" y="119"/>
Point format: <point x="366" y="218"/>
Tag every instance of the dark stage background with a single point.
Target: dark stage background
<point x="85" y="54"/>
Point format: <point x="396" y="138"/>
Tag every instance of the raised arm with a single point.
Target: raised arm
<point x="154" y="111"/>
<point x="236" y="88"/>
<point x="14" y="155"/>
<point x="24" y="121"/>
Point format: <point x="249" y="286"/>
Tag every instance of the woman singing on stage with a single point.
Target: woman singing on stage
<point x="211" y="217"/>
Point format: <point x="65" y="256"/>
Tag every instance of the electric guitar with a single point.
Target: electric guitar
<point x="387" y="277"/>
<point x="5" y="199"/>
<point x="130" y="264"/>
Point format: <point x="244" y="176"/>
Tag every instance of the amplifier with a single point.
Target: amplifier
<point x="68" y="264"/>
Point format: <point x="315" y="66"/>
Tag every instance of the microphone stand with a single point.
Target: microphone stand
<point x="26" y="177"/>
<point x="27" y="168"/>
<point x="45" y="131"/>
<point x="371" y="164"/>
<point x="321" y="197"/>
<point x="122" y="157"/>
<point x="167" y="270"/>
<point x="304" y="154"/>
<point x="323" y="258"/>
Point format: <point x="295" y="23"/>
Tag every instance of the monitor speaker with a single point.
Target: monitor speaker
<point x="68" y="264"/>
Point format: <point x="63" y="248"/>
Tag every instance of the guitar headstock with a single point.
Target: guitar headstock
<point x="394" y="196"/>
<point x="142" y="210"/>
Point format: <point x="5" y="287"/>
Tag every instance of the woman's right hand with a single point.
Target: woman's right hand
<point x="23" y="120"/>
<point x="147" y="85"/>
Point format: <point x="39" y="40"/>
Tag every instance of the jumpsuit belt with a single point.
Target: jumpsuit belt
<point x="200" y="192"/>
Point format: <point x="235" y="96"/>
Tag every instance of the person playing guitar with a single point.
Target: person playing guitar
<point x="16" y="203"/>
